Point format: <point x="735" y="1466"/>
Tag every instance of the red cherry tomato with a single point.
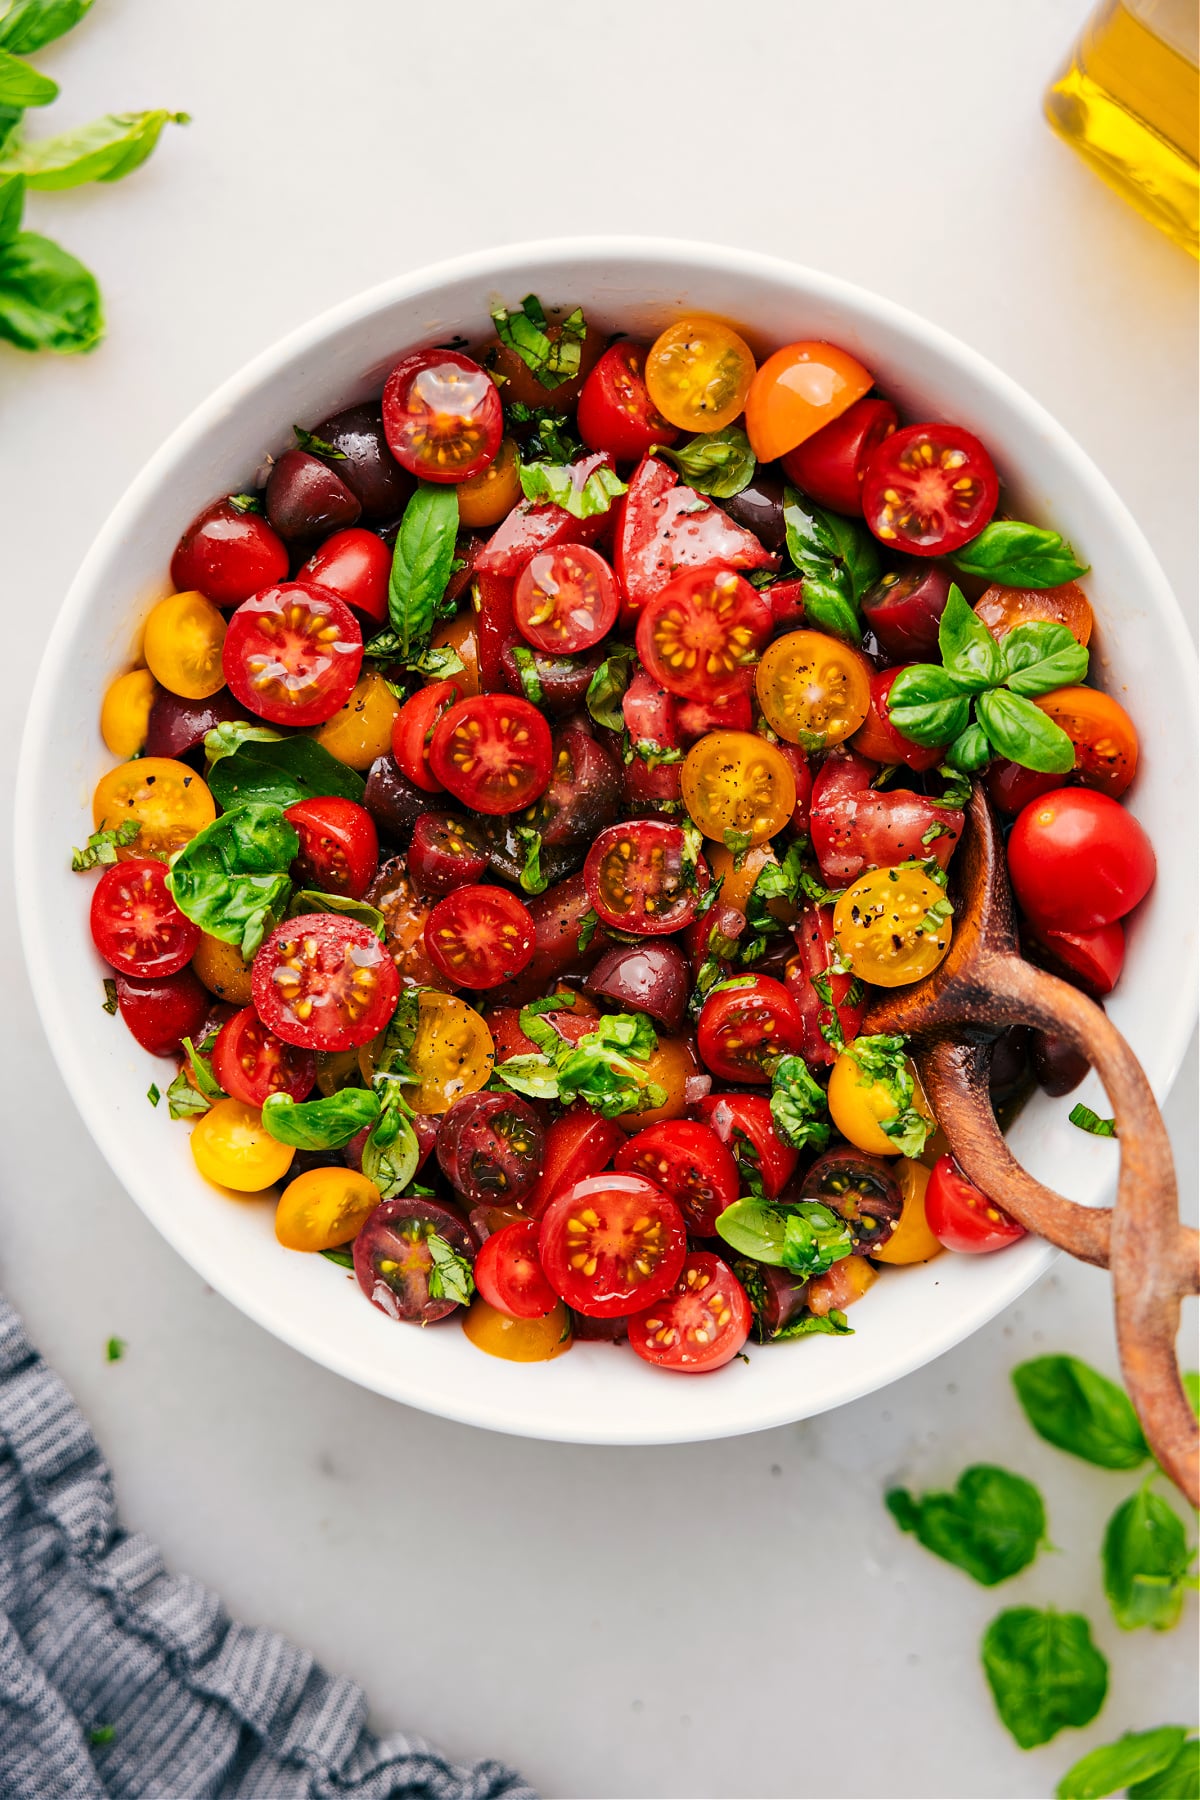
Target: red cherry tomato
<point x="612" y="1244"/>
<point x="651" y="716"/>
<point x="445" y="853"/>
<point x="1078" y="860"/>
<point x="339" y="846"/>
<point x="743" y="1123"/>
<point x="929" y="489"/>
<point x="412" y="730"/>
<point x="495" y="626"/>
<point x="1012" y="787"/>
<point x="355" y="565"/>
<point x="251" y="1063"/>
<point x="665" y="526"/>
<point x="565" y="599"/>
<point x="1094" y="959"/>
<point x="616" y="412"/>
<point x="744" y="1030"/>
<point x="801" y="769"/>
<point x="730" y="712"/>
<point x="292" y="654"/>
<point x="700" y="634"/>
<point x="639" y="879"/>
<point x="878" y="739"/>
<point x="442" y="415"/>
<point x="228" y="554"/>
<point x="509" y="1275"/>
<point x="324" y="982"/>
<point x="829" y="465"/>
<point x="855" y="828"/>
<point x="961" y="1217"/>
<point x="787" y="603"/>
<point x="489" y="1148"/>
<point x="136" y="925"/>
<point x="700" y="1324"/>
<point x="163" y="1011"/>
<point x="689" y="1162"/>
<point x="579" y="1144"/>
<point x="478" y="937"/>
<point x="905" y="610"/>
<point x="530" y="528"/>
<point x="493" y="752"/>
<point x="819" y="993"/>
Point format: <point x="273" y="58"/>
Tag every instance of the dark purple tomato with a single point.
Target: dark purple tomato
<point x="1009" y="1070"/>
<point x="859" y="1188"/>
<point x="446" y="852"/>
<point x="178" y="726"/>
<point x="305" y="498"/>
<point x="582" y="798"/>
<point x="904" y="610"/>
<point x="490" y="1148"/>
<point x="1058" y="1067"/>
<point x="562" y="680"/>
<point x="651" y="977"/>
<point x="776" y="1296"/>
<point x="366" y="465"/>
<point x="393" y="1260"/>
<point x="759" y="507"/>
<point x="598" y="1331"/>
<point x="228" y="552"/>
<point x="393" y="801"/>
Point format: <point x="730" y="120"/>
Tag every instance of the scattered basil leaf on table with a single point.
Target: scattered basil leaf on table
<point x="1113" y="1767"/>
<point x="324" y="1124"/>
<point x="1146" y="1562"/>
<point x="29" y="25"/>
<point x="1044" y="1672"/>
<point x="232" y="879"/>
<point x="839" y="560"/>
<point x="1016" y="555"/>
<point x="106" y="150"/>
<point x="100" y="851"/>
<point x="1079" y="1410"/>
<point x="551" y="360"/>
<point x="1087" y="1120"/>
<point x="23" y="85"/>
<point x="718" y="463"/>
<point x="557" y="484"/>
<point x="48" y="300"/>
<point x="312" y="900"/>
<point x="278" y="772"/>
<point x="421" y="563"/>
<point x="990" y="1525"/>
<point x="1180" y="1780"/>
<point x="1191" y="1387"/>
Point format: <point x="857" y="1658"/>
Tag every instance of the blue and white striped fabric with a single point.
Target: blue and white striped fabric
<point x="96" y="1637"/>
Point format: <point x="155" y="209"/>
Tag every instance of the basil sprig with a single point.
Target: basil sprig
<point x="324" y="1124"/>
<point x="551" y="360"/>
<point x="718" y="463"/>
<point x="1079" y="1410"/>
<point x="931" y="703"/>
<point x="991" y="1525"/>
<point x="1044" y="1672"/>
<point x="1019" y="556"/>
<point x="421" y="564"/>
<point x="839" y="560"/>
<point x="232" y="878"/>
<point x="1146" y="1560"/>
<point x="1133" y="1763"/>
<point x="248" y="764"/>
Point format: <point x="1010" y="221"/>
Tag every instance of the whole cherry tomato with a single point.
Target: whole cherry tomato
<point x="1078" y="860"/>
<point x="354" y="565"/>
<point x="229" y="552"/>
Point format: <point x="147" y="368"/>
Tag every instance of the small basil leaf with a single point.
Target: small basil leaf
<point x="718" y="463"/>
<point x="48" y="300"/>
<point x="827" y="607"/>
<point x="1180" y="1780"/>
<point x="606" y="689"/>
<point x="1044" y="1672"/>
<point x="534" y="1076"/>
<point x="391" y="1151"/>
<point x="450" y="1278"/>
<point x="311" y="900"/>
<point x="324" y="1124"/>
<point x="279" y="772"/>
<point x="970" y="654"/>
<point x="228" y="737"/>
<point x="12" y="202"/>
<point x="1021" y="556"/>
<point x="991" y="1524"/>
<point x="551" y="360"/>
<point x="1113" y="1767"/>
<point x="23" y="85"/>
<point x="927" y="705"/>
<point x="754" y="1229"/>
<point x="1086" y="1120"/>
<point x="106" y="150"/>
<point x="558" y="484"/>
<point x="830" y="1324"/>
<point x="1022" y="733"/>
<point x="1079" y="1410"/>
<point x="970" y="750"/>
<point x="29" y="25"/>
<point x="1146" y="1560"/>
<point x="231" y="879"/>
<point x="838" y="558"/>
<point x="421" y="564"/>
<point x="1042" y="656"/>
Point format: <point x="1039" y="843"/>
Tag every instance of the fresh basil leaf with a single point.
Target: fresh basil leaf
<point x="421" y="563"/>
<point x="324" y="1124"/>
<point x="312" y="900"/>
<point x="227" y="739"/>
<point x="532" y="1075"/>
<point x="391" y="1152"/>
<point x="100" y="851"/>
<point x="1146" y="1561"/>
<point x="1079" y="1410"/>
<point x="839" y="560"/>
<point x="814" y="1238"/>
<point x="587" y="929"/>
<point x="551" y="360"/>
<point x="827" y="607"/>
<point x="1180" y="1780"/>
<point x="970" y="750"/>
<point x="48" y="300"/>
<point x="111" y="1003"/>
<point x="607" y="1067"/>
<point x="799" y="1110"/>
<point x="12" y="203"/>
<point x="106" y="150"/>
<point x="927" y="705"/>
<point x="718" y="463"/>
<point x="153" y="1093"/>
<point x="1087" y="1120"/>
<point x="990" y="1525"/>
<point x="882" y="1063"/>
<point x="1112" y="1767"/>
<point x="1044" y="1672"/>
<point x="549" y="437"/>
<point x="606" y="689"/>
<point x="23" y="85"/>
<point x="343" y="1256"/>
<point x="533" y="881"/>
<point x="231" y="878"/>
<point x="29" y="25"/>
<point x="754" y="1228"/>
<point x="557" y="484"/>
<point x="1042" y="656"/>
<point x="450" y="1277"/>
<point x="279" y="772"/>
<point x="195" y="1087"/>
<point x="830" y="1324"/>
<point x="1018" y="730"/>
<point x="970" y="654"/>
<point x="1021" y="556"/>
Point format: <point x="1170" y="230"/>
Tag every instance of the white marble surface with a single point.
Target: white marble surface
<point x="731" y="1619"/>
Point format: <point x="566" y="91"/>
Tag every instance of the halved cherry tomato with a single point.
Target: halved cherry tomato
<point x="1004" y="608"/>
<point x="578" y="1144"/>
<point x="746" y="1027"/>
<point x="639" y="877"/>
<point x="728" y="712"/>
<point x="492" y="752"/>
<point x="490" y="1148"/>
<point x="929" y="489"/>
<point x="223" y="970"/>
<point x="736" y="783"/>
<point x="442" y="415"/>
<point x="813" y="689"/>
<point x="292" y="654"/>
<point x="166" y="799"/>
<point x="325" y="982"/>
<point x="1078" y="861"/>
<point x="829" y="465"/>
<point x="529" y="528"/>
<point x="889" y="925"/>
<point x="478" y="937"/>
<point x="355" y="565"/>
<point x="612" y="1244"/>
<point x="162" y="1010"/>
<point x="700" y="1324"/>
<point x="405" y="912"/>
<point x="395" y="1265"/>
<point x="517" y="1340"/>
<point x="912" y="1241"/>
<point x="616" y="412"/>
<point x="509" y="1275"/>
<point x="840" y="1287"/>
<point x="339" y="846"/>
<point x="689" y="1162"/>
<point x="827" y="1001"/>
<point x="665" y="526"/>
<point x="229" y="552"/>
<point x="904" y="611"/>
<point x="855" y="828"/>
<point x="674" y="1067"/>
<point x="491" y="495"/>
<point x="451" y="1055"/>
<point x="698" y="373"/>
<point x="250" y="1062"/>
<point x="1104" y="736"/>
<point x="125" y="712"/>
<point x="492" y="600"/>
<point x="702" y="631"/>
<point x="233" y="1147"/>
<point x="961" y="1217"/>
<point x="860" y="1105"/>
<point x="1093" y="958"/>
<point x="744" y="1125"/>
<point x="324" y="1208"/>
<point x="361" y="731"/>
<point x="182" y="645"/>
<point x="798" y="391"/>
<point x="413" y="730"/>
<point x="565" y="599"/>
<point x="878" y="739"/>
<point x="446" y="853"/>
<point x="136" y="925"/>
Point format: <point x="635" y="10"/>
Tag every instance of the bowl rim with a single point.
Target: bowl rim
<point x="37" y="929"/>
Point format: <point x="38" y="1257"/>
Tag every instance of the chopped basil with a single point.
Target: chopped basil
<point x="533" y="881"/>
<point x="343" y="1257"/>
<point x="991" y="1525"/>
<point x="1087" y="1120"/>
<point x="805" y="1237"/>
<point x="246" y="503"/>
<point x="100" y="1735"/>
<point x="450" y="1277"/>
<point x="553" y="442"/>
<point x="551" y="360"/>
<point x="606" y="689"/>
<point x="195" y="1087"/>
<point x="799" y="1110"/>
<point x="115" y="1349"/>
<point x="311" y="900"/>
<point x="606" y="1068"/>
<point x="152" y="1094"/>
<point x="110" y="995"/>
<point x="587" y="929"/>
<point x="830" y="1324"/>
<point x="531" y="685"/>
<point x="101" y="848"/>
<point x="882" y="1063"/>
<point x="738" y="842"/>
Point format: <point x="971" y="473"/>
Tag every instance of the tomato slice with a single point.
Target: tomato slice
<point x="493" y="752"/>
<point x="639" y="877"/>
<point x="855" y="828"/>
<point x="530" y="528"/>
<point x="578" y="1144"/>
<point x="412" y="730"/>
<point x="798" y="390"/>
<point x="879" y="741"/>
<point x="251" y="1063"/>
<point x="612" y="1244"/>
<point x="889" y="925"/>
<point x="292" y="654"/>
<point x="962" y="1217"/>
<point x="356" y="566"/>
<point x="1104" y="736"/>
<point x="495" y="626"/>
<point x="164" y="798"/>
<point x="325" y="982"/>
<point x="929" y="489"/>
<point x="565" y="599"/>
<point x="136" y="925"/>
<point x="665" y="526"/>
<point x="743" y="1124"/>
<point x="339" y="846"/>
<point x="508" y="1273"/>
<point x="700" y="1324"/>
<point x="478" y="937"/>
<point x="699" y="635"/>
<point x="829" y="465"/>
<point x="746" y="1027"/>
<point x="442" y="415"/>
<point x="162" y="1011"/>
<point x="688" y="1161"/>
<point x="828" y="1002"/>
<point x="616" y="412"/>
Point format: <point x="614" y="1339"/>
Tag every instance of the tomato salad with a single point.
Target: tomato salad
<point x="525" y="789"/>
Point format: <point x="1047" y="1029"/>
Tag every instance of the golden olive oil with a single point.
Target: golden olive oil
<point x="1129" y="101"/>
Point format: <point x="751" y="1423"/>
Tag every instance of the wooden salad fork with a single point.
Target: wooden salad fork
<point x="952" y="1020"/>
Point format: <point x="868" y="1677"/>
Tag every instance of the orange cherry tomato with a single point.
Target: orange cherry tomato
<point x="461" y="634"/>
<point x="913" y="1240"/>
<point x="737" y="884"/>
<point x="671" y="1065"/>
<point x="491" y="495"/>
<point x="223" y="970"/>
<point x="797" y="391"/>
<point x="233" y="1147"/>
<point x="361" y="730"/>
<point x="698" y="373"/>
<point x="841" y="1286"/>
<point x="324" y="1208"/>
<point x="1001" y="609"/>
<point x="1105" y="740"/>
<point x="184" y="637"/>
<point x="518" y="1340"/>
<point x="166" y="798"/>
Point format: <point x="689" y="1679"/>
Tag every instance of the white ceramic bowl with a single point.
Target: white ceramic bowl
<point x="595" y="1394"/>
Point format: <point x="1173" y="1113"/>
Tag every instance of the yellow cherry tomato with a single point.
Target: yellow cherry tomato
<point x="797" y="391"/>
<point x="166" y="798"/>
<point x="912" y="1241"/>
<point x="233" y="1147"/>
<point x="891" y="925"/>
<point x="517" y="1340"/>
<point x="362" y="729"/>
<point x="735" y="781"/>
<point x="699" y="373"/>
<point x="185" y="634"/>
<point x="813" y="689"/>
<point x="324" y="1208"/>
<point x="452" y="1053"/>
<point x="491" y="495"/>
<point x="125" y="712"/>
<point x="223" y="970"/>
<point x="860" y="1104"/>
<point x="738" y="884"/>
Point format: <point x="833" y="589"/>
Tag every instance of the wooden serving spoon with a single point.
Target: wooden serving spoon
<point x="952" y="1020"/>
